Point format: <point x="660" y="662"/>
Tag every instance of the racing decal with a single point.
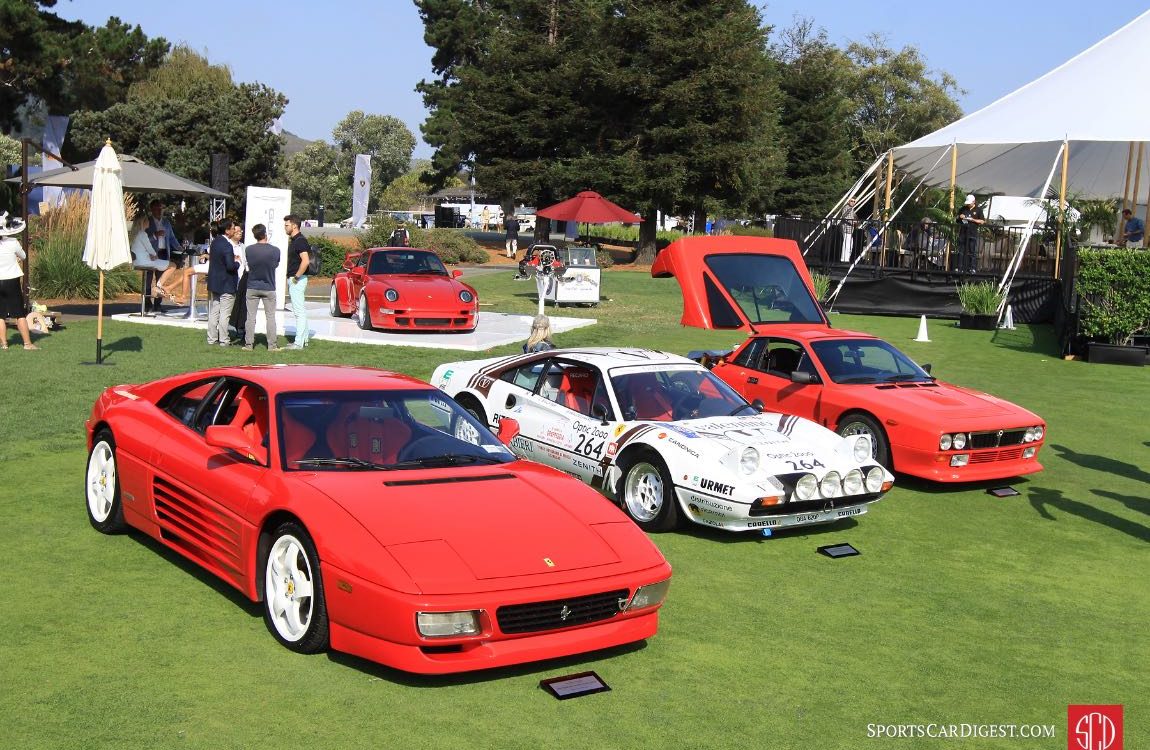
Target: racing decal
<point x="683" y="447"/>
<point x="522" y="445"/>
<point x="764" y="523"/>
<point x="619" y="429"/>
<point x="681" y="430"/>
<point x="442" y="384"/>
<point x="711" y="485"/>
<point x="709" y="502"/>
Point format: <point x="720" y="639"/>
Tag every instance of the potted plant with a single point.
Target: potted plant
<point x="1113" y="288"/>
<point x="980" y="301"/>
<point x="822" y="284"/>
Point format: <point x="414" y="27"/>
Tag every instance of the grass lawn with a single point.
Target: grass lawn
<point x="963" y="608"/>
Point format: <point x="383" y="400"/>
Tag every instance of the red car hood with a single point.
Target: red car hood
<point x="950" y="401"/>
<point x="450" y="530"/>
<point x="424" y="289"/>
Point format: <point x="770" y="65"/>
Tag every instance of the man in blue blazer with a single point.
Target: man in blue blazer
<point x="223" y="278"/>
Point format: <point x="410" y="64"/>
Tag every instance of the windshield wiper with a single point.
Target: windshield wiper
<point x="858" y="379"/>
<point x="740" y="408"/>
<point x="346" y="461"/>
<point x="904" y="376"/>
<point x="450" y="459"/>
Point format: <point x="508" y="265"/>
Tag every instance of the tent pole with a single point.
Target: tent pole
<point x="953" y="180"/>
<point x="1062" y="204"/>
<point x="886" y="202"/>
<point x="1125" y="190"/>
<point x="1137" y="181"/>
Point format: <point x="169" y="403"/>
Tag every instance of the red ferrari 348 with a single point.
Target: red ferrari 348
<point x="403" y="289"/>
<point x="373" y="515"/>
<point x="795" y="362"/>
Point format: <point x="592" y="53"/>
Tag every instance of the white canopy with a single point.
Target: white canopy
<point x="1094" y="101"/>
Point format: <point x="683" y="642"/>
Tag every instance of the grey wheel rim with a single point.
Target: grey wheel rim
<point x="643" y="492"/>
<point x="853" y="428"/>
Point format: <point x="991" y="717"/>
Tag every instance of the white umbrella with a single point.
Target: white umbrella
<point x="107" y="243"/>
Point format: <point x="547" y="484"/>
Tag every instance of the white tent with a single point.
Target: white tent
<point x="1093" y="102"/>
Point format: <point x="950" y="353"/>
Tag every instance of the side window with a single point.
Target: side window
<point x="751" y="354"/>
<point x="184" y="402"/>
<point x="782" y="358"/>
<point x="571" y="386"/>
<point x="525" y="376"/>
<point x="361" y="261"/>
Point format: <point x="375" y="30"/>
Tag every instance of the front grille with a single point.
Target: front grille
<point x="432" y="322"/>
<point x="986" y="457"/>
<point x="995" y="439"/>
<point x="561" y="613"/>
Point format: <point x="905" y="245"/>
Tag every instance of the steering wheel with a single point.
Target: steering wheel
<point x="685" y="399"/>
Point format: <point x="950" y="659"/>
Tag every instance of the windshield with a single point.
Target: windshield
<point x="867" y="361"/>
<point x="667" y="395"/>
<point x="345" y="430"/>
<point x="767" y="288"/>
<point x="406" y="261"/>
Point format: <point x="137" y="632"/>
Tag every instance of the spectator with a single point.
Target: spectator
<point x="12" y="304"/>
<point x="1132" y="229"/>
<point x="223" y="277"/>
<point x="400" y="237"/>
<point x="485" y="219"/>
<point x="847" y="225"/>
<point x="298" y="257"/>
<point x="969" y="219"/>
<point x="540" y="338"/>
<point x="240" y="310"/>
<point x="144" y="256"/>
<point x="511" y="225"/>
<point x="163" y="238"/>
<point x="263" y="258"/>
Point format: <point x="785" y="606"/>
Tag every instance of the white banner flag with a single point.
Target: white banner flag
<point x="360" y="190"/>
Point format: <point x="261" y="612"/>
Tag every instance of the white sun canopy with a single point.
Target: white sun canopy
<point x="1093" y="101"/>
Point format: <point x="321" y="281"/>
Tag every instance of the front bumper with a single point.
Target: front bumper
<point x="982" y="465"/>
<point x="736" y="516"/>
<point x="454" y="319"/>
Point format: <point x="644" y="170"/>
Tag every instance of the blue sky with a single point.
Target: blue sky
<point x="332" y="58"/>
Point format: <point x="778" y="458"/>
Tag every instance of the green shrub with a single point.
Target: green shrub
<point x="822" y="284"/>
<point x="979" y="298"/>
<point x="751" y="231"/>
<point x="1114" y="288"/>
<point x="604" y="258"/>
<point x="331" y="254"/>
<point x="56" y="257"/>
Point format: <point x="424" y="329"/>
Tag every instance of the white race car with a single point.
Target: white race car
<point x="667" y="439"/>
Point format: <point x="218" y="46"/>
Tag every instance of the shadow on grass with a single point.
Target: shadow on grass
<point x="927" y="487"/>
<point x="226" y="590"/>
<point x="126" y="344"/>
<point x="1042" y="498"/>
<point x="1103" y="464"/>
<point x="1035" y="339"/>
<point x="540" y="669"/>
<point x="1138" y="504"/>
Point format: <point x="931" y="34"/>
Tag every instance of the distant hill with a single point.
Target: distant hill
<point x="293" y="144"/>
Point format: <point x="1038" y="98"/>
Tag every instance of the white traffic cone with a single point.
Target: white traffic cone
<point x="1008" y="319"/>
<point x="922" y="330"/>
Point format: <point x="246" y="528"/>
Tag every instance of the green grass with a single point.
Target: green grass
<point x="962" y="607"/>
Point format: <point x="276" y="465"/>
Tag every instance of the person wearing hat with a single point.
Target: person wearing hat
<point x="847" y="221"/>
<point x="12" y="303"/>
<point x="969" y="218"/>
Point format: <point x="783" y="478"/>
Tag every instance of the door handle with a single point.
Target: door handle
<point x="753" y="381"/>
<point x="510" y="401"/>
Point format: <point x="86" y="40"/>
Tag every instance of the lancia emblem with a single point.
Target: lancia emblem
<point x="564" y="613"/>
<point x="550" y="564"/>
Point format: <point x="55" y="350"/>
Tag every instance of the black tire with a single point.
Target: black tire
<point x="295" y="610"/>
<point x="362" y="314"/>
<point x="474" y="408"/>
<point x="646" y="493"/>
<point x="857" y="423"/>
<point x="333" y="303"/>
<point x="102" y="486"/>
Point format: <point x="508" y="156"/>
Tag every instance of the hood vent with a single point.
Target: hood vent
<point x="446" y="480"/>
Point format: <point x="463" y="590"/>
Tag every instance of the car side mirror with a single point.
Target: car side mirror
<point x="804" y="378"/>
<point x="926" y="368"/>
<point x="600" y="412"/>
<point x="233" y="438"/>
<point x="456" y="273"/>
<point x="508" y="430"/>
<point x="758" y="405"/>
<point x="510" y="402"/>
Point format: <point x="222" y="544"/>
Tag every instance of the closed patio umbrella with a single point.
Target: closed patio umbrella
<point x="106" y="245"/>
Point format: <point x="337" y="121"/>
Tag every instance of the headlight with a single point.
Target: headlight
<point x="391" y="295"/>
<point x="944" y="443"/>
<point x="862" y="448"/>
<point x="831" y="486"/>
<point x="807" y="487"/>
<point x="447" y="624"/>
<point x="874" y="479"/>
<point x="959" y="441"/>
<point x="1039" y="432"/>
<point x="466" y="296"/>
<point x="749" y="461"/>
<point x="651" y="595"/>
<point x="853" y="482"/>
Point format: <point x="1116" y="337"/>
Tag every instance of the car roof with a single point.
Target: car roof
<point x="807" y="332"/>
<point x="291" y="377"/>
<point x="614" y="356"/>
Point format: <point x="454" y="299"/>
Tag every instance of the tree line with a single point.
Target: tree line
<point x="678" y="106"/>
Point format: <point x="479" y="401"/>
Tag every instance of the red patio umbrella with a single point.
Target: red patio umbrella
<point x="590" y="208"/>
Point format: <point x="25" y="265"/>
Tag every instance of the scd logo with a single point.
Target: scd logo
<point x="1094" y="727"/>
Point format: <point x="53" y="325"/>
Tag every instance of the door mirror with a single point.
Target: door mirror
<point x="758" y="405"/>
<point x="456" y="273"/>
<point x="926" y="368"/>
<point x="508" y="430"/>
<point x="804" y="377"/>
<point x="599" y="411"/>
<point x="235" y="439"/>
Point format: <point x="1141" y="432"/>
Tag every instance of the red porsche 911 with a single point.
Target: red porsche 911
<point x="372" y="515"/>
<point x="403" y="289"/>
<point x="854" y="383"/>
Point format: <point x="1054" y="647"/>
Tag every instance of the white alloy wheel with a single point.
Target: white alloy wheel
<point x="362" y="316"/>
<point x="102" y="486"/>
<point x="643" y="492"/>
<point x="289" y="588"/>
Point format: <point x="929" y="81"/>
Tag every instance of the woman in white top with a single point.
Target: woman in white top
<point x="144" y="257"/>
<point x="12" y="304"/>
